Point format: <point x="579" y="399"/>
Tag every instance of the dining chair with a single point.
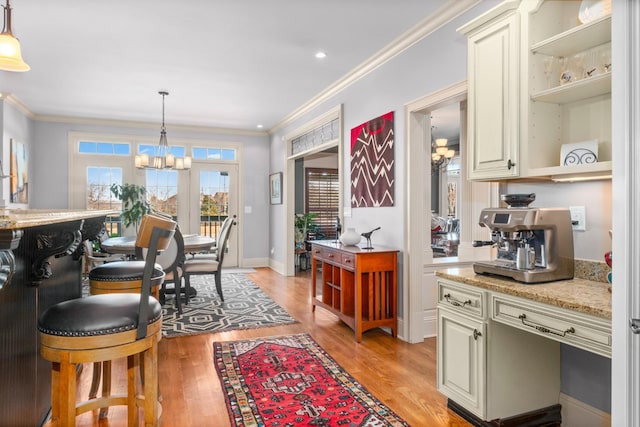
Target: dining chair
<point x="100" y="328"/>
<point x="171" y="260"/>
<point x="93" y="258"/>
<point x="209" y="263"/>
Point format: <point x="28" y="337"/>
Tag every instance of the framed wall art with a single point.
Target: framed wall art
<point x="373" y="163"/>
<point x="19" y="173"/>
<point x="275" y="188"/>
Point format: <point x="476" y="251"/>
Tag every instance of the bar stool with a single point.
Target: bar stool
<point x="104" y="327"/>
<point x="112" y="278"/>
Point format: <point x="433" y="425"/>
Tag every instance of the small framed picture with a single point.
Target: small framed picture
<point x="275" y="188"/>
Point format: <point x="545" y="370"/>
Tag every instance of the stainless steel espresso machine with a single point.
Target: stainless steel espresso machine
<point x="534" y="244"/>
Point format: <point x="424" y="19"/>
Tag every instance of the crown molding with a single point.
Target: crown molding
<point x="445" y="14"/>
<point x="15" y="102"/>
<point x="20" y="106"/>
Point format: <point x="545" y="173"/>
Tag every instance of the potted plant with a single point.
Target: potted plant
<point x="134" y="203"/>
<point x="303" y="223"/>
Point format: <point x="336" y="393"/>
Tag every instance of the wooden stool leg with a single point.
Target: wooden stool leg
<point x="95" y="380"/>
<point x="151" y="385"/>
<point x="132" y="408"/>
<point x="106" y="386"/>
<point x="67" y="393"/>
<point x="55" y="394"/>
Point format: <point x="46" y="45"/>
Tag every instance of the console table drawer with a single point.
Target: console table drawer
<point x="348" y="261"/>
<point x="461" y="299"/>
<point x="586" y="332"/>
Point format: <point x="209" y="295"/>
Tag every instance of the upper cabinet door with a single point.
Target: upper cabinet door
<point x="494" y="85"/>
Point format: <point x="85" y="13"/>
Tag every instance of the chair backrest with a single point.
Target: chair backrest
<point x="222" y="244"/>
<point x="155" y="234"/>
<point x="170" y="258"/>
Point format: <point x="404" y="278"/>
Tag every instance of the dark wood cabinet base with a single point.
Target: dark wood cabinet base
<point x="543" y="417"/>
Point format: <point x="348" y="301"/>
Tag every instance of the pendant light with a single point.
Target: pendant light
<point x="162" y="158"/>
<point x="10" y="56"/>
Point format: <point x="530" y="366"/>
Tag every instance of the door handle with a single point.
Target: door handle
<point x="634" y="324"/>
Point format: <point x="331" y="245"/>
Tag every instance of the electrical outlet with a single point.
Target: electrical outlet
<point x="578" y="218"/>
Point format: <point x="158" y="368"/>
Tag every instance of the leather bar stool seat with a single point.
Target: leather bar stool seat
<point x="123" y="276"/>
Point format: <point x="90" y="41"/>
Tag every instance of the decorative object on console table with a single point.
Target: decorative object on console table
<point x="367" y="236"/>
<point x="275" y="188"/>
<point x="350" y="237"/>
<point x="359" y="286"/>
<point x="372" y="163"/>
<point x="579" y="153"/>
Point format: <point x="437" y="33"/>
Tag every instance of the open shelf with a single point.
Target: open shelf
<point x="576" y="39"/>
<point x="576" y="91"/>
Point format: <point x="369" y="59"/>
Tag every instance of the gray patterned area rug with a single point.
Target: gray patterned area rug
<point x="245" y="306"/>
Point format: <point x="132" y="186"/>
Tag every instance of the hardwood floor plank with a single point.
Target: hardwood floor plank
<point x="401" y="375"/>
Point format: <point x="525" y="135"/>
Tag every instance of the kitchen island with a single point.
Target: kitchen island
<point x="499" y="342"/>
<point x="40" y="265"/>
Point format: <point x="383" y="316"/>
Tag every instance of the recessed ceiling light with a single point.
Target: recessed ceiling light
<point x="321" y="55"/>
<point x="259" y="126"/>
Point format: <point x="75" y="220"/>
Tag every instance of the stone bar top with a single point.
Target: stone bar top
<point x="585" y="296"/>
<point x="12" y="219"/>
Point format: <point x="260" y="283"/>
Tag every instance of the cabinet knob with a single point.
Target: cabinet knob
<point x="510" y="164"/>
<point x="476" y="334"/>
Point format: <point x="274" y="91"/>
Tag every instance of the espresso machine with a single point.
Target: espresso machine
<point x="534" y="245"/>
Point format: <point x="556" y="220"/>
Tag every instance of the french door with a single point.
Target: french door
<point x="214" y="196"/>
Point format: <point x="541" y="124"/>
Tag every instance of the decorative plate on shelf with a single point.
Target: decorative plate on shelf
<point x="590" y="10"/>
<point x="579" y="153"/>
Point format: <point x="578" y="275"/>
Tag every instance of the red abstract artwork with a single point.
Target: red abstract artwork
<point x="372" y="163"/>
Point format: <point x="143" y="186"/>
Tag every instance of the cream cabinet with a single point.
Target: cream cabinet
<point x="491" y="370"/>
<point x="539" y="78"/>
<point x="493" y="93"/>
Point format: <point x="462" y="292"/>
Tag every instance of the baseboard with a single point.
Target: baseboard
<point x="578" y="414"/>
<point x="277" y="266"/>
<point x="255" y="262"/>
<point x="430" y="323"/>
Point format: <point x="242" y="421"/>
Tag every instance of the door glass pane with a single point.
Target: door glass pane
<point x="162" y="191"/>
<point x="214" y="201"/>
<point x="100" y="197"/>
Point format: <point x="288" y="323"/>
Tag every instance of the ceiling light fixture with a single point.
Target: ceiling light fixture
<point x="441" y="155"/>
<point x="321" y="55"/>
<point x="10" y="56"/>
<point x="162" y="158"/>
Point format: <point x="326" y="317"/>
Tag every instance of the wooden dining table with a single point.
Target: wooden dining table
<point x="193" y="243"/>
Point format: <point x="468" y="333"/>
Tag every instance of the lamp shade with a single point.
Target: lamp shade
<point x="10" y="56"/>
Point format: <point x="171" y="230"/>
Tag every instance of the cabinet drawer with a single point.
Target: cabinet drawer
<point x="567" y="326"/>
<point x="348" y="261"/>
<point x="462" y="299"/>
<point x="330" y="255"/>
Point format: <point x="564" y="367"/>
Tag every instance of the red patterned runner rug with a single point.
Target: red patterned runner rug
<point x="290" y="381"/>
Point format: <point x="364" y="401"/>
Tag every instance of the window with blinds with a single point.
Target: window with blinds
<point x="322" y="199"/>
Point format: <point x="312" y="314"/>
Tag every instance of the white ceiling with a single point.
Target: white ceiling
<point x="226" y="63"/>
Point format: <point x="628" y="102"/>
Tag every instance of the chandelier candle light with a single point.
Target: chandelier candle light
<point x="163" y="158"/>
<point x="442" y="155"/>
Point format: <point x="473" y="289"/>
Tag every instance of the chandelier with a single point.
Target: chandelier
<point x="162" y="158"/>
<point x="441" y="155"/>
<point x="10" y="56"/>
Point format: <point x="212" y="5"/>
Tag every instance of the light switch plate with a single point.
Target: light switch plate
<point x="578" y="218"/>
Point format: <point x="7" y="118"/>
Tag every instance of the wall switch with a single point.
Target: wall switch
<point x="578" y="218"/>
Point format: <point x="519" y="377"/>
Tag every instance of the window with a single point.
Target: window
<point x="204" y="153"/>
<point x="322" y="199"/>
<point x="100" y="197"/>
<point x="162" y="191"/>
<point x="104" y="148"/>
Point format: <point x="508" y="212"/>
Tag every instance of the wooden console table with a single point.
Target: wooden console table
<point x="357" y="285"/>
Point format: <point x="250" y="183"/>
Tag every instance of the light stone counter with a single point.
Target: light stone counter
<point x="23" y="218"/>
<point x="585" y="296"/>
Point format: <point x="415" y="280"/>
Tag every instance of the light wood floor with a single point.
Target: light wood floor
<point x="401" y="375"/>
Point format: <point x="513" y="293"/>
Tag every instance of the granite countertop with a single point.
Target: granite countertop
<point x="23" y="218"/>
<point x="582" y="295"/>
